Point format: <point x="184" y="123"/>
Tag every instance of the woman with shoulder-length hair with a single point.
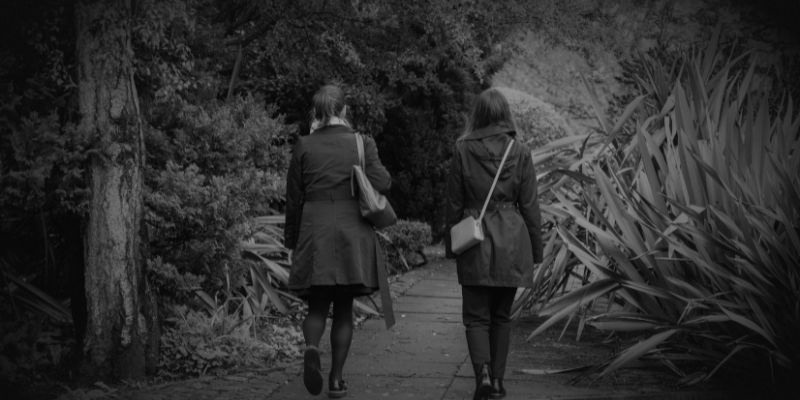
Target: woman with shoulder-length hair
<point x="491" y="271"/>
<point x="335" y="251"/>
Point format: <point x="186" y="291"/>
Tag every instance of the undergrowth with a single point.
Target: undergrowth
<point x="196" y="343"/>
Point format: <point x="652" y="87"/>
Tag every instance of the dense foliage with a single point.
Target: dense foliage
<point x="688" y="226"/>
<point x="408" y="68"/>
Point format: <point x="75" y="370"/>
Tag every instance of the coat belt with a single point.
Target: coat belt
<point x="338" y="193"/>
<point x="493" y="205"/>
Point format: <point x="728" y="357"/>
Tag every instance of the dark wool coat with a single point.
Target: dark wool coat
<point x="511" y="225"/>
<point x="332" y="243"/>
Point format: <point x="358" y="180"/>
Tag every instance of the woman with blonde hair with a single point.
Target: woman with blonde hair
<point x="336" y="253"/>
<point x="491" y="271"/>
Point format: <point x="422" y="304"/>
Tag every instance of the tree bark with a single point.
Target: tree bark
<point x="120" y="313"/>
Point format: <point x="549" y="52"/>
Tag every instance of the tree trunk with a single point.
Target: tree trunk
<point x="120" y="313"/>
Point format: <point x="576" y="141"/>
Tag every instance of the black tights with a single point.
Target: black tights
<point x="319" y="302"/>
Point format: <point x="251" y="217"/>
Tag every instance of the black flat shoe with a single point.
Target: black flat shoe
<point x="312" y="371"/>
<point x="483" y="384"/>
<point x="337" y="389"/>
<point x="498" y="391"/>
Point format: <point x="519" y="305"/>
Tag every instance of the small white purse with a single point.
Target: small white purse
<point x="469" y="231"/>
<point x="466" y="233"/>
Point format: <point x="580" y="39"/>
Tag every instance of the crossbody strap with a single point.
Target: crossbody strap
<point x="496" y="176"/>
<point x="360" y="148"/>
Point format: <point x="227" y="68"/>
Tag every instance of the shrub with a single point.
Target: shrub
<point x="406" y="241"/>
<point x="198" y="343"/>
<point x="538" y="123"/>
<point x="171" y="285"/>
<point x="211" y="170"/>
<point x="692" y="230"/>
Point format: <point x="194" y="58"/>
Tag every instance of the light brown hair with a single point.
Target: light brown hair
<point x="490" y="108"/>
<point x="328" y="102"/>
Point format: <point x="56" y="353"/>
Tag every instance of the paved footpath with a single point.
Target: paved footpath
<point x="424" y="356"/>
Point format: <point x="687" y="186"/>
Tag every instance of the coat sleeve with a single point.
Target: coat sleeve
<point x="528" y="202"/>
<point x="455" y="197"/>
<point x="377" y="174"/>
<point x="294" y="197"/>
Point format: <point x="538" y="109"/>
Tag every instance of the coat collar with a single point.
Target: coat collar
<point x="487" y="131"/>
<point x="332" y="129"/>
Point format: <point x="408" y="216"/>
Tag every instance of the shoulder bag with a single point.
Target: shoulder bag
<point x="377" y="210"/>
<point x="469" y="231"/>
<point x="374" y="206"/>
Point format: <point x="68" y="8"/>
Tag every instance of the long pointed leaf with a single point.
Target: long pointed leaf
<point x="627" y="113"/>
<point x="634" y="352"/>
<point x="568" y="303"/>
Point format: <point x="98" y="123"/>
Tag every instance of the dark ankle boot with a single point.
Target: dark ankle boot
<point x="483" y="382"/>
<point x="498" y="391"/>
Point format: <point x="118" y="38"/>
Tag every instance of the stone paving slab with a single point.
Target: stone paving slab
<point x="450" y="318"/>
<point x="444" y="274"/>
<point x="374" y="388"/>
<point x="530" y="389"/>
<point x="429" y="305"/>
<point x="436" y="288"/>
<point x="409" y="336"/>
<point x="423" y="351"/>
<point x="408" y="366"/>
<point x="427" y="334"/>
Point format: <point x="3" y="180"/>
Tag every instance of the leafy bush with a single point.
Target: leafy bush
<point x="43" y="167"/>
<point x="691" y="229"/>
<point x="220" y="137"/>
<point x="538" y="123"/>
<point x="213" y="170"/>
<point x="200" y="343"/>
<point x="406" y="240"/>
<point x="196" y="221"/>
<point x="653" y="72"/>
<point x="240" y="323"/>
<point x="172" y="286"/>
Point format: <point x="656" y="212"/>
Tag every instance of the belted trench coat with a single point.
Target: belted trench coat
<point x="332" y="243"/>
<point x="512" y="222"/>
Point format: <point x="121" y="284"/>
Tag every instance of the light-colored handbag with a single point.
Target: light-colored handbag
<point x="469" y="231"/>
<point x="374" y="206"/>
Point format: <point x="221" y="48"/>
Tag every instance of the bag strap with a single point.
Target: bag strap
<point x="383" y="282"/>
<point x="360" y="146"/>
<point x="360" y="149"/>
<point x="496" y="176"/>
